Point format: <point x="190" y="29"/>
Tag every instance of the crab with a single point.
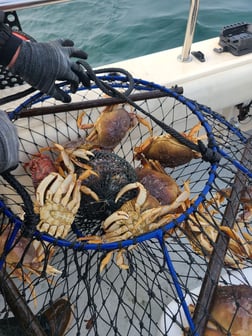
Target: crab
<point x="168" y="150"/>
<point x="135" y="217"/>
<point x="57" y="202"/>
<point x="202" y="229"/>
<point x="155" y="179"/>
<point x="28" y="253"/>
<point x="39" y="167"/>
<point x="231" y="311"/>
<point x="245" y="215"/>
<point x="69" y="156"/>
<point x="111" y="126"/>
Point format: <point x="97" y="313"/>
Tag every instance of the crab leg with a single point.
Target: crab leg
<point x="240" y="246"/>
<point x="149" y="216"/>
<point x="74" y="204"/>
<point x="142" y="195"/>
<point x="86" y="190"/>
<point x="116" y="216"/>
<point x="106" y="260"/>
<point x="40" y="193"/>
<point x="79" y="122"/>
<point x="82" y="153"/>
<point x="69" y="157"/>
<point x="120" y="259"/>
<point x="65" y="157"/>
<point x="66" y="187"/>
<point x="144" y="122"/>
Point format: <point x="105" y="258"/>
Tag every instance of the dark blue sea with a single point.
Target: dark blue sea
<point x="114" y="30"/>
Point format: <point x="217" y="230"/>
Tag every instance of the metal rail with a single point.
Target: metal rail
<point x="191" y="23"/>
<point x="211" y="279"/>
<point x="25" y="318"/>
<point x="12" y="5"/>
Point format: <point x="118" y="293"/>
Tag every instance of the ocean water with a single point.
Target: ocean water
<point x="113" y="30"/>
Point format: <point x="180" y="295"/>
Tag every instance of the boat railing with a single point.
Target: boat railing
<point x="12" y="5"/>
<point x="190" y="28"/>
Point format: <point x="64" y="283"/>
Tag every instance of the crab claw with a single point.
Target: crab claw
<point x="120" y="259"/>
<point x="106" y="260"/>
<point x="86" y="190"/>
<point x="142" y="195"/>
<point x="69" y="156"/>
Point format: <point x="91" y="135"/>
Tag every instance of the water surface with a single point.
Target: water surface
<point x="114" y="30"/>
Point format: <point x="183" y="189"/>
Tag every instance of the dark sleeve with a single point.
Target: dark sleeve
<point x="9" y="43"/>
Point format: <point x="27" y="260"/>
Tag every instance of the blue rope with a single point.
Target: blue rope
<point x="17" y="225"/>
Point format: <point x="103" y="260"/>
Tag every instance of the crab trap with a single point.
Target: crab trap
<point x="133" y="209"/>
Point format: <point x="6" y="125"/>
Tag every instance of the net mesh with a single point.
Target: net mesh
<point x="154" y="278"/>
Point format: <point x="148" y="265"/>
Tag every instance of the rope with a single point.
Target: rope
<point x="106" y="88"/>
<point x="16" y="96"/>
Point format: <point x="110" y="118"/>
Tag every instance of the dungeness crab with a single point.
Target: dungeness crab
<point x="154" y="178"/>
<point x="168" y="150"/>
<point x="231" y="312"/>
<point x="57" y="202"/>
<point x="111" y="126"/>
<point x="135" y="217"/>
<point x="30" y="254"/>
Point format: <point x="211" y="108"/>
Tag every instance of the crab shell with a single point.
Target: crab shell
<point x="161" y="185"/>
<point x="111" y="126"/>
<point x="167" y="150"/>
<point x="231" y="312"/>
<point x="40" y="166"/>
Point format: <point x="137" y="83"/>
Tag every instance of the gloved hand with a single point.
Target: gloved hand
<point x="8" y="143"/>
<point x="41" y="64"/>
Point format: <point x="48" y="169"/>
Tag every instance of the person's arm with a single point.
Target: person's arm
<point x="41" y="64"/>
<point x="8" y="143"/>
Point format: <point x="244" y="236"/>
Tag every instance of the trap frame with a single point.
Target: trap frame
<point x="151" y="297"/>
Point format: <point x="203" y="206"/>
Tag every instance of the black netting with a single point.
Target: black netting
<point x="150" y="281"/>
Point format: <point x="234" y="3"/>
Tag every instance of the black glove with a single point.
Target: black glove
<point x="9" y="43"/>
<point x="9" y="143"/>
<point x="41" y="64"/>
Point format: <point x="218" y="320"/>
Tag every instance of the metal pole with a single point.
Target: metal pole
<point x="22" y="312"/>
<point x="11" y="5"/>
<point x="210" y="282"/>
<point x="191" y="23"/>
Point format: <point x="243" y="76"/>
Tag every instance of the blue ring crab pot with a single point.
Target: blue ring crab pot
<point x="77" y="221"/>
